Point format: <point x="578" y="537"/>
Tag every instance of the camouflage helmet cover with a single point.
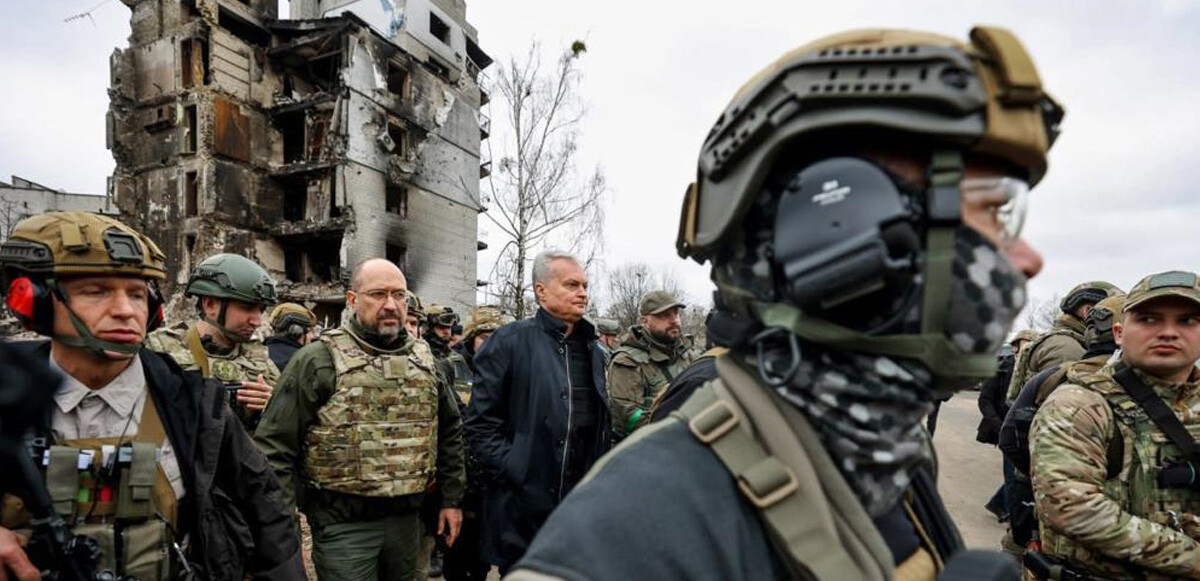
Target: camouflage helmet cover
<point x="58" y="244"/>
<point x="287" y="314"/>
<point x="983" y="97"/>
<point x="485" y="320"/>
<point x="442" y="316"/>
<point x="231" y="276"/>
<point x="413" y="302"/>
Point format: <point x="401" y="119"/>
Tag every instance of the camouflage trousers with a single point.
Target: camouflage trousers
<point x="377" y="550"/>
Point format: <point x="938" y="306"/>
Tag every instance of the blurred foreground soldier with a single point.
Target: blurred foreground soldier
<point x="1013" y="437"/>
<point x="1063" y="343"/>
<point x="649" y="356"/>
<point x="141" y="456"/>
<point x="361" y="426"/>
<point x="1114" y="454"/>
<point x="538" y="417"/>
<point x="871" y="243"/>
<point x="232" y="293"/>
<point x="293" y="325"/>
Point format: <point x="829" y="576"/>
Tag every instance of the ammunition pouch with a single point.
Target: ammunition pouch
<point x="1178" y="474"/>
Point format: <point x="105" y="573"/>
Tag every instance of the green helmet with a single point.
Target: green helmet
<point x="1090" y="292"/>
<point x="230" y="276"/>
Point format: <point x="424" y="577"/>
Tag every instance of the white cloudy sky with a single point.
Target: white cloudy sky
<point x="1120" y="200"/>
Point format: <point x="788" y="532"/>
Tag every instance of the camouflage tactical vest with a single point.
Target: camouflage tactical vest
<point x="1021" y="372"/>
<point x="1136" y="488"/>
<point x="245" y="363"/>
<point x="377" y="434"/>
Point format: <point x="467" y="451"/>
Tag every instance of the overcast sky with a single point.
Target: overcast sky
<point x="1119" y="201"/>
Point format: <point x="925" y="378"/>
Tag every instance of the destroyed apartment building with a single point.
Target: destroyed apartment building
<point x="307" y="144"/>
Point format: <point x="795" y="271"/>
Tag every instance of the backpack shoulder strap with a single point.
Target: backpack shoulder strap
<point x="199" y="355"/>
<point x="791" y="498"/>
<point x="1159" y="413"/>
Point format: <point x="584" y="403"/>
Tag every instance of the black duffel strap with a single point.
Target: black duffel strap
<point x="1159" y="413"/>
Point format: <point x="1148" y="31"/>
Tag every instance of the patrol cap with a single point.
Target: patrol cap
<point x="656" y="302"/>
<point x="610" y="327"/>
<point x="1174" y="283"/>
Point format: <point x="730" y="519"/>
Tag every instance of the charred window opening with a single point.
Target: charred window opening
<point x="191" y="245"/>
<point x="295" y="201"/>
<point x="192" y="136"/>
<point x="193" y="62"/>
<point x="312" y="259"/>
<point x="323" y="70"/>
<point x="399" y="136"/>
<point x="439" y="29"/>
<point x="398" y="254"/>
<point x="397" y="200"/>
<point x="335" y="211"/>
<point x="191" y="194"/>
<point x="397" y="80"/>
<point x="241" y="28"/>
<point x="291" y="127"/>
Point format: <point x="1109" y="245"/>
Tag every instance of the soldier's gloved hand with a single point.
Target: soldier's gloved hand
<point x="449" y="523"/>
<point x="254" y="394"/>
<point x="13" y="559"/>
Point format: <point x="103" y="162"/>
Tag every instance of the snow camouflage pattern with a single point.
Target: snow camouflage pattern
<point x="377" y="434"/>
<point x="1121" y="528"/>
<point x="869" y="409"/>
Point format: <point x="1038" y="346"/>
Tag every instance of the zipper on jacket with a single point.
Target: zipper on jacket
<point x="562" y="473"/>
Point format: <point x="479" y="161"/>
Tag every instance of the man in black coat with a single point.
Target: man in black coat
<point x="89" y="283"/>
<point x="538" y="417"/>
<point x="994" y="408"/>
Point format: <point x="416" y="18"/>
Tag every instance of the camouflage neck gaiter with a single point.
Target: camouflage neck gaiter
<point x="869" y="409"/>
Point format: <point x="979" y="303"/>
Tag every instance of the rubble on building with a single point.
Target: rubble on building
<point x="307" y="144"/>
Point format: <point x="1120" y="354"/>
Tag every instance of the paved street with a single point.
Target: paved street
<point x="969" y="472"/>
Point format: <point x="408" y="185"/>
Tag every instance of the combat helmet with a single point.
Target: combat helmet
<point x="292" y="319"/>
<point x="1098" y="334"/>
<point x="230" y="277"/>
<point x="485" y="320"/>
<point x="1092" y="292"/>
<point x="43" y="250"/>
<point x="440" y="316"/>
<point x="844" y="242"/>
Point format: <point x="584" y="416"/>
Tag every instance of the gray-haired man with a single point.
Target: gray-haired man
<point x="538" y="418"/>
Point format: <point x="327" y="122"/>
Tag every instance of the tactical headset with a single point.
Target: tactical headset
<point x="32" y="301"/>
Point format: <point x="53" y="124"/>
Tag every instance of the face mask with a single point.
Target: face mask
<point x="986" y="294"/>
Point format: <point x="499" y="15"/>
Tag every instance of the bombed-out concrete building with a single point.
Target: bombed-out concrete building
<point x="348" y="131"/>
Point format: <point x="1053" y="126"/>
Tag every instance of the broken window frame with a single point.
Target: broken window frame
<point x="439" y="29"/>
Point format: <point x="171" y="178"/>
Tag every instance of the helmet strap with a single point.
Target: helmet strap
<point x="219" y="323"/>
<point x="86" y="340"/>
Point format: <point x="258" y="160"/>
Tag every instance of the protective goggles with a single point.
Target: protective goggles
<point x="1005" y="199"/>
<point x="443" y="319"/>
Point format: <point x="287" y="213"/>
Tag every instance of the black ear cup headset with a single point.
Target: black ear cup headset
<point x="32" y="301"/>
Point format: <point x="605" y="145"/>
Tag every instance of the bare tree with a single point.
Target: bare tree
<point x="11" y="212"/>
<point x="627" y="285"/>
<point x="536" y="191"/>
<point x="1041" y="314"/>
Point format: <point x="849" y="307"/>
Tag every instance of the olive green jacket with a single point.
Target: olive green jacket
<point x="306" y="385"/>
<point x="1062" y="344"/>
<point x="640" y="369"/>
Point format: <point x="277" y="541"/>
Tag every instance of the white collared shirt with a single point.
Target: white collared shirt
<point x="109" y="412"/>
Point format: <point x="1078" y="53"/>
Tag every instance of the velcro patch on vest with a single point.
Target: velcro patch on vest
<point x="395" y="367"/>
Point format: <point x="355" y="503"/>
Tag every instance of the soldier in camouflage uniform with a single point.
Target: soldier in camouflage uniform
<point x="484" y="321"/>
<point x="232" y="293"/>
<point x="294" y="327"/>
<point x="412" y="319"/>
<point x="648" y="357"/>
<point x="1116" y="495"/>
<point x="361" y="427"/>
<point x="1063" y="343"/>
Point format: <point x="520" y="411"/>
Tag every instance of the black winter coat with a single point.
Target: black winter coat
<point x="281" y="349"/>
<point x="992" y="404"/>
<point x="517" y="425"/>
<point x="233" y="511"/>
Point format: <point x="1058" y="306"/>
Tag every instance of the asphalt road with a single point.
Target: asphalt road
<point x="968" y="472"/>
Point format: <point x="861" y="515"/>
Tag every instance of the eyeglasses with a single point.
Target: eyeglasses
<point x="1005" y="199"/>
<point x="382" y="295"/>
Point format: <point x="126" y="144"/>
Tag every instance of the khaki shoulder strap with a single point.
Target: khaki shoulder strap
<point x="192" y="338"/>
<point x="791" y="498"/>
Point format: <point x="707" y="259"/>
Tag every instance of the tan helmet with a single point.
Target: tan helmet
<point x="44" y="249"/>
<point x="984" y="97"/>
<point x="415" y="308"/>
<point x="485" y="320"/>
<point x="1098" y="333"/>
<point x="287" y="314"/>
<point x="439" y="315"/>
<point x="60" y="244"/>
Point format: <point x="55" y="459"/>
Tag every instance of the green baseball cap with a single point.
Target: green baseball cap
<point x="656" y="302"/>
<point x="1175" y="283"/>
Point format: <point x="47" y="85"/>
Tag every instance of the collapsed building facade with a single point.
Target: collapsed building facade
<point x="307" y="144"/>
